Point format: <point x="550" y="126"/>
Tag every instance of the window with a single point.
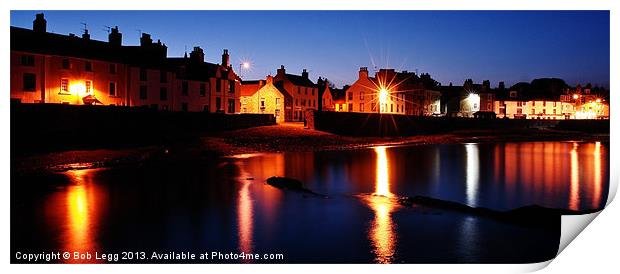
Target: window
<point x="89" y="86"/>
<point x="361" y="106"/>
<point x="519" y="111"/>
<point x="312" y="90"/>
<point x="277" y="100"/>
<point x="218" y="85"/>
<point x="163" y="76"/>
<point x="184" y="88"/>
<point x="373" y="107"/>
<point x="112" y="68"/>
<point x="163" y="94"/>
<point x="203" y="89"/>
<point x="218" y="103"/>
<point x="296" y="102"/>
<point x="544" y="111"/>
<point x="391" y="107"/>
<point x="143" y="92"/>
<point x="306" y="91"/>
<point x="143" y="74"/>
<point x="298" y="90"/>
<point x="88" y="66"/>
<point x="112" y="88"/>
<point x="184" y="106"/>
<point x="231" y="105"/>
<point x="29" y="82"/>
<point x="350" y="94"/>
<point x="64" y="85"/>
<point x="262" y="103"/>
<point x="533" y="103"/>
<point x="544" y="103"/>
<point x="361" y="95"/>
<point x="554" y="111"/>
<point x="350" y="107"/>
<point x="205" y="108"/>
<point x="66" y="64"/>
<point x="231" y="86"/>
<point x="27" y="60"/>
<point x="519" y="103"/>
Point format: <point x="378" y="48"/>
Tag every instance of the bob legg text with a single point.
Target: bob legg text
<point x="111" y="257"/>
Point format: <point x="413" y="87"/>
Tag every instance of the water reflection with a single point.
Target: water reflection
<point x="382" y="232"/>
<point x="573" y="201"/>
<point x="245" y="218"/>
<point x="81" y="212"/>
<point x="472" y="176"/>
<point x="598" y="176"/>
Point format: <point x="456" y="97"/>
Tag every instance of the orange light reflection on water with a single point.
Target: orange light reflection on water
<point x="382" y="232"/>
<point x="573" y="201"/>
<point x="245" y="219"/>
<point x="81" y="213"/>
<point x="598" y="176"/>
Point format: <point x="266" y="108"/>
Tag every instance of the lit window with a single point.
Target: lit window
<point x="89" y="86"/>
<point x="64" y="85"/>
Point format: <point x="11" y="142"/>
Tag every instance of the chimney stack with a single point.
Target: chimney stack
<point x="197" y="55"/>
<point x="145" y="40"/>
<point x="85" y="35"/>
<point x="39" y="24"/>
<point x="363" y="73"/>
<point x="225" y="59"/>
<point x="304" y="74"/>
<point x="281" y="70"/>
<point x="269" y="79"/>
<point x="115" y="38"/>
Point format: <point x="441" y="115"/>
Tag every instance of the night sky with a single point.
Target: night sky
<point x="510" y="46"/>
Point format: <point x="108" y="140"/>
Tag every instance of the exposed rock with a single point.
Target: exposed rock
<point x="523" y="215"/>
<point x="290" y="184"/>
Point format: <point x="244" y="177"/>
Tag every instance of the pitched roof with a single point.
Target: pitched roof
<point x="191" y="70"/>
<point x="282" y="90"/>
<point x="73" y="46"/>
<point x="299" y="80"/>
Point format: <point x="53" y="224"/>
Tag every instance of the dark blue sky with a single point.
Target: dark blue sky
<point x="510" y="46"/>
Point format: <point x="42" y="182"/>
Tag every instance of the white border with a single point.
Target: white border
<point x="594" y="251"/>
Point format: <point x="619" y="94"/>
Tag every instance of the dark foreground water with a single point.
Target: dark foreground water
<point x="223" y="205"/>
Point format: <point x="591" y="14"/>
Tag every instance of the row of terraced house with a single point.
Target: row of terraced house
<point x="69" y="69"/>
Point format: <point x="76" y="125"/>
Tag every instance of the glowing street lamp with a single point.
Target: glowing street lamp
<point x="245" y="65"/>
<point x="383" y="96"/>
<point x="576" y="96"/>
<point x="77" y="88"/>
